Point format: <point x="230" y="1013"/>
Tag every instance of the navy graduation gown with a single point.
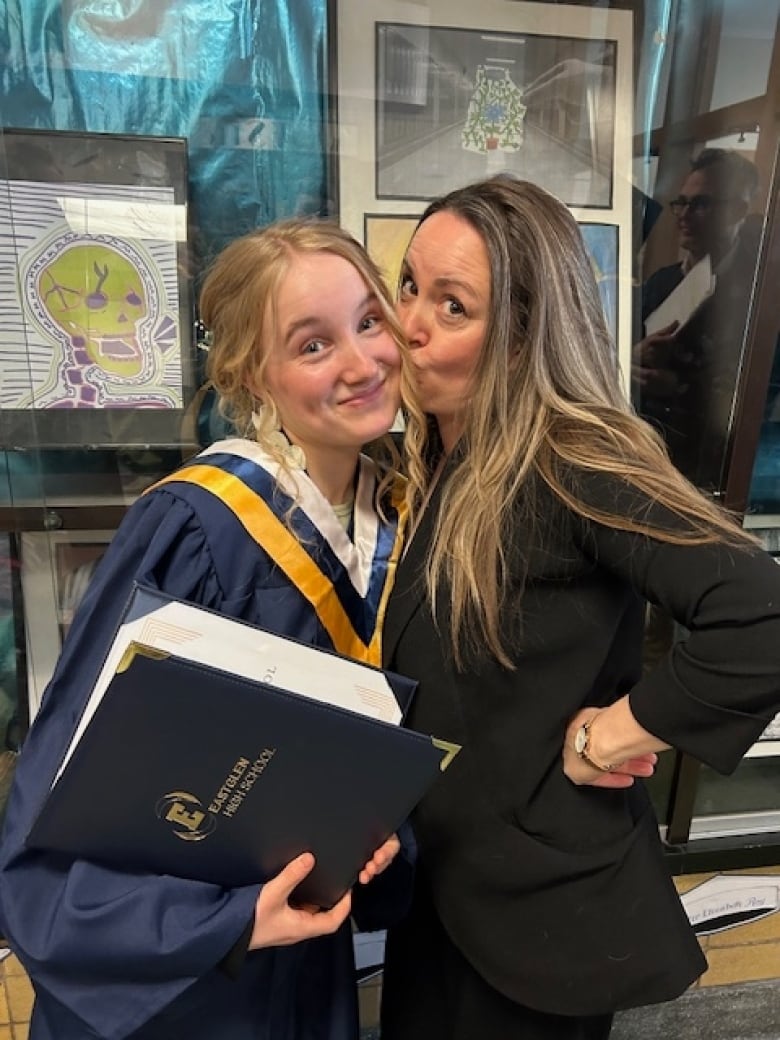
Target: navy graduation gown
<point x="117" y="955"/>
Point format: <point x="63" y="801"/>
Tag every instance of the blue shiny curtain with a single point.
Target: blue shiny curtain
<point x="245" y="81"/>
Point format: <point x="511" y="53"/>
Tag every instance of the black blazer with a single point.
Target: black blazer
<point x="559" y="895"/>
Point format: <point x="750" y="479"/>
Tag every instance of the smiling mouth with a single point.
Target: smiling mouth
<point x="366" y="397"/>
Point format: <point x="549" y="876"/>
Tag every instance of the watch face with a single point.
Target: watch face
<point x="581" y="739"/>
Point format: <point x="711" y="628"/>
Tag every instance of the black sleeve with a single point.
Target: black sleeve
<point x="233" y="961"/>
<point x="716" y="691"/>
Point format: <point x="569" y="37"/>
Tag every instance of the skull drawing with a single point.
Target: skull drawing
<point x="97" y="297"/>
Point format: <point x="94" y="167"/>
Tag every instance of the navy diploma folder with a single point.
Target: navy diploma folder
<point x="194" y="771"/>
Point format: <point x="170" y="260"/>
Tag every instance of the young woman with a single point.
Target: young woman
<point x="545" y="514"/>
<point x="288" y="526"/>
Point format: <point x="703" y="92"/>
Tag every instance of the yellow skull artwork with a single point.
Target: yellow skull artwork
<point x="96" y="296"/>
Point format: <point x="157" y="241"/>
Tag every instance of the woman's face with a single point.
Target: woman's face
<point x="333" y="369"/>
<point x="443" y="304"/>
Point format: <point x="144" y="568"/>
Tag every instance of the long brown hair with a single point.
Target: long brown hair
<point x="546" y="401"/>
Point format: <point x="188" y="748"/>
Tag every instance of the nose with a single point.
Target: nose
<point x="411" y="315"/>
<point x="360" y="364"/>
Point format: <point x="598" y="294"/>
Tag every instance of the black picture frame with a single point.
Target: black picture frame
<point x="102" y="207"/>
<point x="55" y="568"/>
<point x="14" y="710"/>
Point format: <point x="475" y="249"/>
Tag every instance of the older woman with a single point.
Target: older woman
<point x="545" y="514"/>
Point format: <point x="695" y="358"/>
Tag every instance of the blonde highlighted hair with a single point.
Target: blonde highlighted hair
<point x="546" y="401"/>
<point x="238" y="307"/>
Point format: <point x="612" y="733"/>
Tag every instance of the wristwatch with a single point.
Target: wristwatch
<point x="582" y="747"/>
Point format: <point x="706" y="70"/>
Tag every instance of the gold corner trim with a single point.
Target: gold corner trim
<point x="134" y="648"/>
<point x="451" y="749"/>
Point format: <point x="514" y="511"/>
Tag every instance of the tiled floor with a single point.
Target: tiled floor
<point x="746" y="953"/>
<point x="15" y="1000"/>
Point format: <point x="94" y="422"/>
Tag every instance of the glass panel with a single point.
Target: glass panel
<point x="13" y="684"/>
<point x="744" y="53"/>
<point x="697" y="272"/>
<point x="765" y="483"/>
<point x="141" y="170"/>
<point x="704" y="58"/>
<point x="747" y="802"/>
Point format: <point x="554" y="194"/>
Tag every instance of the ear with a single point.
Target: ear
<point x="739" y="208"/>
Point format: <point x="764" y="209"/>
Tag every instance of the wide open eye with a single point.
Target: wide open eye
<point x="369" y="322"/>
<point x="313" y="346"/>
<point x="406" y="286"/>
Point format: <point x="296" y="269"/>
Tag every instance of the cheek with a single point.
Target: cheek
<point x="461" y="363"/>
<point x="389" y="354"/>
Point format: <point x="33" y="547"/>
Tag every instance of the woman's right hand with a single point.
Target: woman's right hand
<point x="277" y="923"/>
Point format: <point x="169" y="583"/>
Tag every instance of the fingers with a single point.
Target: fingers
<point x="611" y="781"/>
<point x="642" y="765"/>
<point x="327" y="921"/>
<point x="624" y="774"/>
<point x="278" y="923"/>
<point x="293" y="874"/>
<point x="669" y="329"/>
<point x="381" y="859"/>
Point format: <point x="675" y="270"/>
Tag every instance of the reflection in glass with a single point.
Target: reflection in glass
<point x="685" y="368"/>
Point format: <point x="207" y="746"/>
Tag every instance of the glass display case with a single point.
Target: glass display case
<point x="133" y="146"/>
<point x="130" y="154"/>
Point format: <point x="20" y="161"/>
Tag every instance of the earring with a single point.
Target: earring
<point x="277" y="440"/>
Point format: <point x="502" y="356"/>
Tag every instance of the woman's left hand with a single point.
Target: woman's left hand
<point x="381" y="859"/>
<point x="581" y="772"/>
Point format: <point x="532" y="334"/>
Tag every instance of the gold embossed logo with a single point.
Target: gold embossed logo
<point x="188" y="818"/>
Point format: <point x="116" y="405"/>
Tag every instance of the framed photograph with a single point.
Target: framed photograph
<point x="96" y="324"/>
<point x="55" y="570"/>
<point x="433" y="96"/>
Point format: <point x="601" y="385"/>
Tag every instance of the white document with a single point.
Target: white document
<point x="685" y="299"/>
<point x="199" y="635"/>
<point x="726" y="900"/>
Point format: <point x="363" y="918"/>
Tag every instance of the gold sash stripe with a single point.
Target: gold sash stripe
<point x="271" y="533"/>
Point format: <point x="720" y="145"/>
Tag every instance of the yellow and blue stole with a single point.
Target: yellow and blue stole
<point x="346" y="581"/>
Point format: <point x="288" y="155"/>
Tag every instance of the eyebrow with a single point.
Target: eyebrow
<point x="444" y="281"/>
<point x="313" y="321"/>
<point x="449" y="282"/>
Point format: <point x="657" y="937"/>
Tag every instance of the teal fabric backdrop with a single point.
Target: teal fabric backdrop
<point x="244" y="81"/>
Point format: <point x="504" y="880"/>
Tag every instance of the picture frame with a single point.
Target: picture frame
<point x="409" y="104"/>
<point x="96" y="315"/>
<point x="386" y="236"/>
<point x="56" y="567"/>
<point x="13" y="666"/>
<point x="602" y="242"/>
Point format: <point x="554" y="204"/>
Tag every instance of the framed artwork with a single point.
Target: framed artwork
<point x="55" y="570"/>
<point x="386" y="239"/>
<point x="433" y="96"/>
<point x="603" y="244"/>
<point x="96" y="326"/>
